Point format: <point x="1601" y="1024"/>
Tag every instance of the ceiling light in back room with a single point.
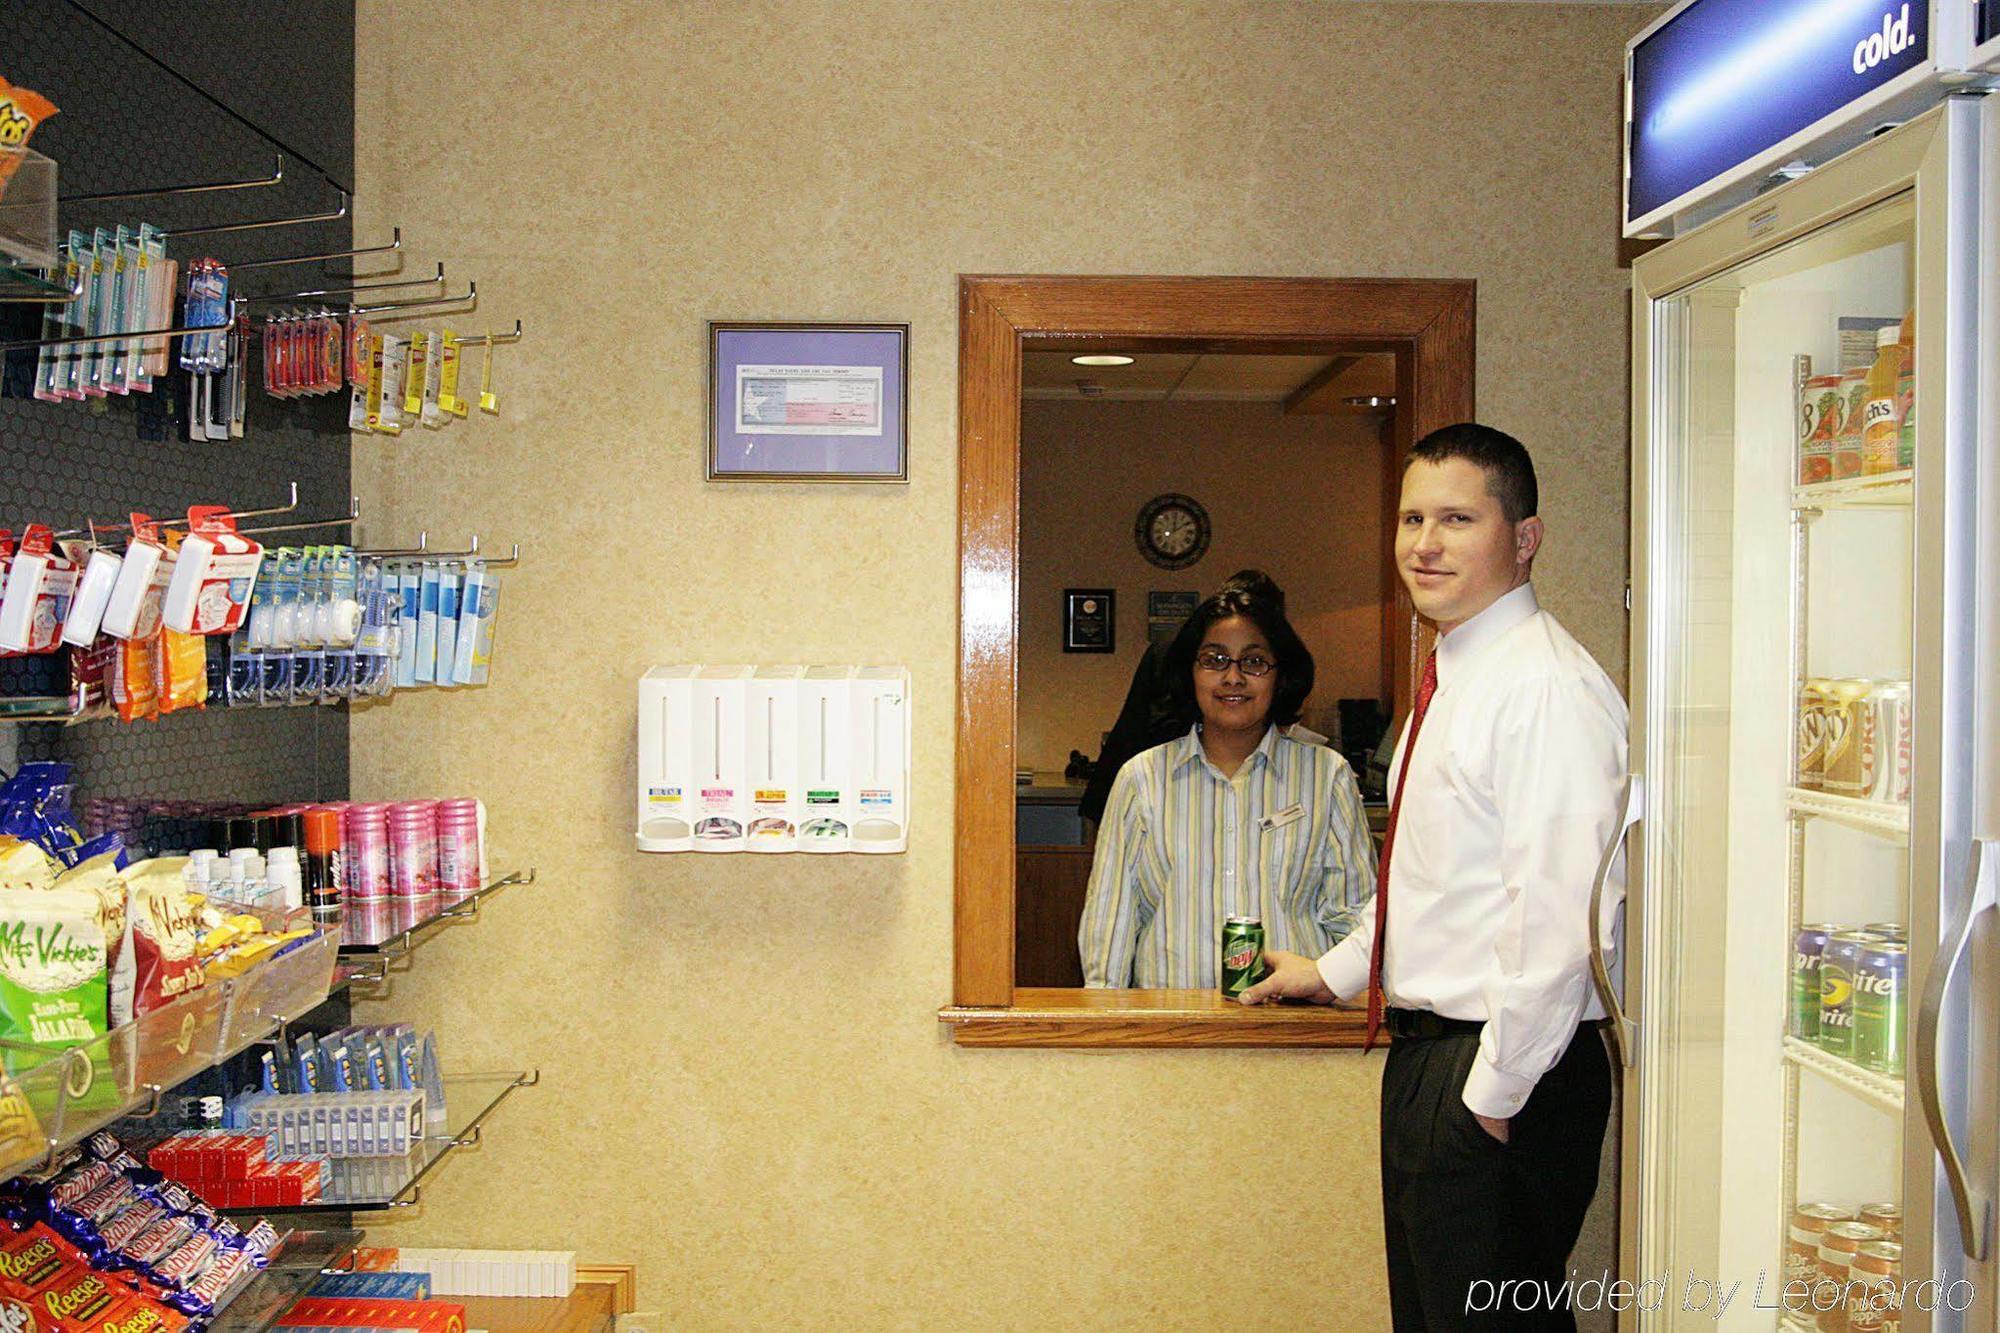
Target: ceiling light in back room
<point x="1369" y="400"/>
<point x="1101" y="359"/>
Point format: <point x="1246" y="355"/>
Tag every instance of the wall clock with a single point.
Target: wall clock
<point x="1172" y="531"/>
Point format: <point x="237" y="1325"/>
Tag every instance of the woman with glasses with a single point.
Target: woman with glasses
<point x="1233" y="819"/>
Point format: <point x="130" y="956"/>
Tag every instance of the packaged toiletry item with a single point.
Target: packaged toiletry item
<point x="165" y="932"/>
<point x="427" y="625"/>
<point x="409" y="621"/>
<point x="449" y="403"/>
<point x="143" y="575"/>
<point x="213" y="575"/>
<point x="722" y="796"/>
<point x="39" y="586"/>
<point x="774" y="759"/>
<point x="97" y="317"/>
<point x="117" y="375"/>
<point x="93" y="596"/>
<point x="826" y="718"/>
<point x="419" y="367"/>
<point x="478" y="603"/>
<point x="431" y="411"/>
<point x="449" y="582"/>
<point x="880" y="745"/>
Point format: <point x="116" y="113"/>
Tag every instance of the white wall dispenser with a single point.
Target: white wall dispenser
<point x="721" y="756"/>
<point x="666" y="759"/>
<point x="880" y="749"/>
<point x="774" y="759"/>
<point x="826" y="708"/>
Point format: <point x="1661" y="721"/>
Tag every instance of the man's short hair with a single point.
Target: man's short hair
<point x="1510" y="473"/>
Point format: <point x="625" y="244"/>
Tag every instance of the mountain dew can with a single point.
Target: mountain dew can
<point x="1242" y="953"/>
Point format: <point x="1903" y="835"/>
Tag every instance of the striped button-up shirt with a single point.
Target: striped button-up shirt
<point x="1182" y="847"/>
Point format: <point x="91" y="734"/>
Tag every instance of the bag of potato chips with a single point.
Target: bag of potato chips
<point x="21" y="111"/>
<point x="165" y="931"/>
<point x="52" y="967"/>
<point x="101" y="877"/>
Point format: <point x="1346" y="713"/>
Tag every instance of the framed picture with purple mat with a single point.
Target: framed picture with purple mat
<point x="808" y="402"/>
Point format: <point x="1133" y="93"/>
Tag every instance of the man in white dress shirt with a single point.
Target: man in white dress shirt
<point x="1504" y="794"/>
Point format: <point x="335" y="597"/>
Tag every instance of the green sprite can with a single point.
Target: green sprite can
<point x="1881" y="991"/>
<point x="1839" y="968"/>
<point x="1807" y="949"/>
<point x="1242" y="953"/>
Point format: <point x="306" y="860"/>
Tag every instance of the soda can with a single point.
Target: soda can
<point x="1806" y="952"/>
<point x="1819" y="423"/>
<point x="1814" y="696"/>
<point x="1809" y="1224"/>
<point x="1839" y="968"/>
<point x="1887" y="1216"/>
<point x="1848" y="451"/>
<point x="1881" y="992"/>
<point x="1889" y="930"/>
<point x="1893" y="740"/>
<point x="1851" y="747"/>
<point x="1242" y="953"/>
<point x="1838" y="1245"/>
<point x="1875" y="1288"/>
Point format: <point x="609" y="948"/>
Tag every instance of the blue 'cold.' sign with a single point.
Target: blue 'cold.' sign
<point x="1723" y="80"/>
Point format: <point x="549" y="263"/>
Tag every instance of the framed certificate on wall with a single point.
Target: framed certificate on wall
<point x="1090" y="624"/>
<point x="808" y="402"/>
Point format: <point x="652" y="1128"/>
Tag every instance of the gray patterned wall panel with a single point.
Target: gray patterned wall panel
<point x="124" y="123"/>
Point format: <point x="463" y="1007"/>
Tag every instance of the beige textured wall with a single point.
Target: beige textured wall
<point x="745" y="1090"/>
<point x="1299" y="497"/>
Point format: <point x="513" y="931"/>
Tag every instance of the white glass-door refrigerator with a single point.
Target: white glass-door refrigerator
<point x="1814" y="678"/>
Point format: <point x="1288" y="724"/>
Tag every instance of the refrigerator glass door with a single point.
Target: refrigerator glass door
<point x="1801" y="542"/>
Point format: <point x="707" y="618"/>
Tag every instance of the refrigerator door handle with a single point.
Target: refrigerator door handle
<point x="1624" y="1032"/>
<point x="1974" y="1208"/>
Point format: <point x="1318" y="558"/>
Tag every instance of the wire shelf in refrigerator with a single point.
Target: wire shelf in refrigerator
<point x="1884" y="819"/>
<point x="1882" y="490"/>
<point x="1877" y="1089"/>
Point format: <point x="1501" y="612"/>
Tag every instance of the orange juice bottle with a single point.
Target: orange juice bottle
<point x="1880" y="434"/>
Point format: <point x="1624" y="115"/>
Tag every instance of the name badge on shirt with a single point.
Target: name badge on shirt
<point x="1289" y="815"/>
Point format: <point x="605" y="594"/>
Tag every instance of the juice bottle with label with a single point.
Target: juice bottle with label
<point x="1879" y="432"/>
<point x="1906" y="397"/>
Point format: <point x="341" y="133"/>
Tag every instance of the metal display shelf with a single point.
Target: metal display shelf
<point x="1884" y="819"/>
<point x="298" y="1262"/>
<point x="1880" y="1090"/>
<point x="360" y="1184"/>
<point x="50" y="1101"/>
<point x="1882" y="490"/>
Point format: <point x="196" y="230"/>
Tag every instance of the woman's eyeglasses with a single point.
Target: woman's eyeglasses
<point x="1251" y="664"/>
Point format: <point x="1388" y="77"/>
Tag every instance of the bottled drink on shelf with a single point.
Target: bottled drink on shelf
<point x="1881" y="434"/>
<point x="1819" y="425"/>
<point x="1847" y="442"/>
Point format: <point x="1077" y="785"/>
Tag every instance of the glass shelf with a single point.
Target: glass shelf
<point x="50" y="1101"/>
<point x="361" y="1183"/>
<point x="392" y="927"/>
<point x="27" y="284"/>
<point x="1882" y="490"/>
<point x="1884" y="819"/>
<point x="297" y="1263"/>
<point x="1883" y="1090"/>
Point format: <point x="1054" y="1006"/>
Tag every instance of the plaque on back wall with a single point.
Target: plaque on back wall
<point x="1089" y="622"/>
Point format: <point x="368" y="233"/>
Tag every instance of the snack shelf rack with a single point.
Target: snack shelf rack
<point x="375" y="938"/>
<point x="372" y="1183"/>
<point x="50" y="1102"/>
<point x="1879" y="1090"/>
<point x="296" y="1264"/>
<point x="1884" y="819"/>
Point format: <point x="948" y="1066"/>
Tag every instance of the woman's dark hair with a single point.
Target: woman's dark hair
<point x="1295" y="661"/>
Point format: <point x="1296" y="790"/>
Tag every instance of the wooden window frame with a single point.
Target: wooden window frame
<point x="1427" y="323"/>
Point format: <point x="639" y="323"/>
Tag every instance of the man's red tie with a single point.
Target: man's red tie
<point x="1424" y="692"/>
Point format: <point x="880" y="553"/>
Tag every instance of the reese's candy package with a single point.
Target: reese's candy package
<point x="165" y="933"/>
